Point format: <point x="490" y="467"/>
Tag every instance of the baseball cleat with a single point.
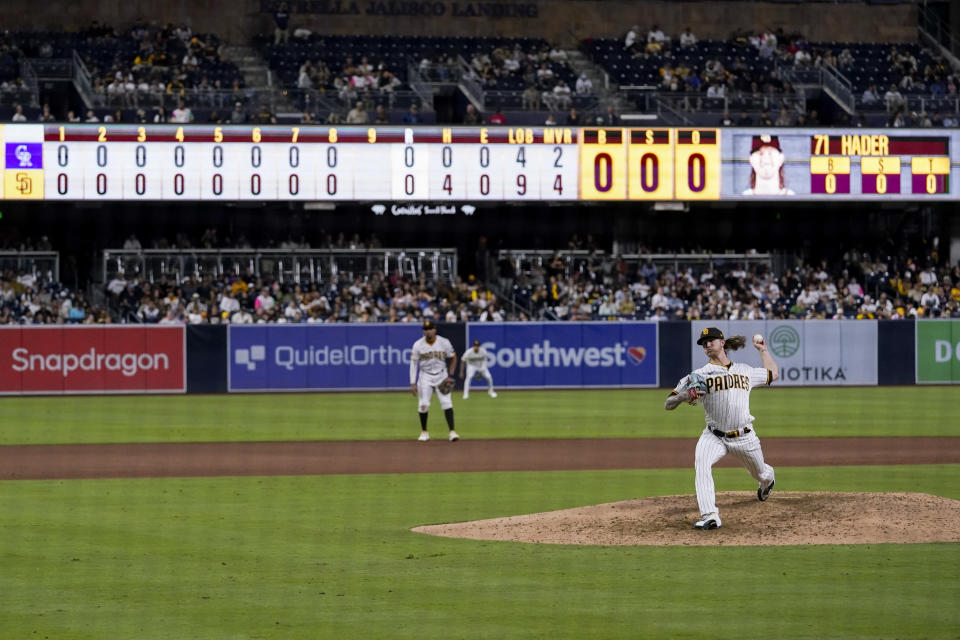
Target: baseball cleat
<point x="424" y="436"/>
<point x="493" y="394"/>
<point x="465" y="397"/>
<point x="453" y="436"/>
<point x="708" y="521"/>
<point x="763" y="494"/>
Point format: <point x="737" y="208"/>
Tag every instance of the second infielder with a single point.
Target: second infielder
<point x="475" y="361"/>
<point x="729" y="425"/>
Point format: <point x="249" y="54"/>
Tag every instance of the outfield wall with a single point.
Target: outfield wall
<point x="343" y="357"/>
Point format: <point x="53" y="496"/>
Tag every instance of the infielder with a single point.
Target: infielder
<point x="475" y="361"/>
<point x="430" y="354"/>
<point x="724" y="388"/>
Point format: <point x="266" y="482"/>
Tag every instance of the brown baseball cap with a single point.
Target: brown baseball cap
<point x="710" y="333"/>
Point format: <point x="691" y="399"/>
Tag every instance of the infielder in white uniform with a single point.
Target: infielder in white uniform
<point x="729" y="425"/>
<point x="430" y="355"/>
<point x="475" y="361"/>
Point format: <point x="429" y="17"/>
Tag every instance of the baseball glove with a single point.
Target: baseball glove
<point x="695" y="383"/>
<point x="446" y="386"/>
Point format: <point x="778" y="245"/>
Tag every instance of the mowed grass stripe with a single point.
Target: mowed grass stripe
<point x="877" y="411"/>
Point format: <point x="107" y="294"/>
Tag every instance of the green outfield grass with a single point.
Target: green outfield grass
<point x="333" y="557"/>
<point x="882" y="411"/>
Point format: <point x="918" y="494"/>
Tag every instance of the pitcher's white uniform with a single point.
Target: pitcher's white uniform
<point x="431" y="359"/>
<point x="475" y="361"/>
<point x="726" y="406"/>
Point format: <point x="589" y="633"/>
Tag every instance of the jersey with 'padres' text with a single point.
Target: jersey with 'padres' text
<point x="727" y="403"/>
<point x="477" y="359"/>
<point x="432" y="359"/>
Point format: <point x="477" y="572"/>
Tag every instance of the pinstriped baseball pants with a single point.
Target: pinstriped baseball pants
<point x="710" y="449"/>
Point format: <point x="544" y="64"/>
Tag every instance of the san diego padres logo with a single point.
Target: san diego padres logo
<point x="784" y="341"/>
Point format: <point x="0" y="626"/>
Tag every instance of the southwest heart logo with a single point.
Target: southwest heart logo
<point x="637" y="354"/>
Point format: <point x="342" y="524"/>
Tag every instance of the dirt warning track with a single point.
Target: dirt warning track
<point x="32" y="462"/>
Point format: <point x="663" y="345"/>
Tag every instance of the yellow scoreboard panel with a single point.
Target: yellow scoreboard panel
<point x="650" y="164"/>
<point x="698" y="164"/>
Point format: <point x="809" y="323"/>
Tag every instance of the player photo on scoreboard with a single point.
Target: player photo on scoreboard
<point x="767" y="177"/>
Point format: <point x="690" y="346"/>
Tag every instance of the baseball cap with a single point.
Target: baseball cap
<point x="429" y="325"/>
<point x="710" y="333"/>
<point x="476" y="342"/>
<point x="765" y="140"/>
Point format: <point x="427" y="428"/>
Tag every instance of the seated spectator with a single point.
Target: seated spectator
<point x="630" y="42"/>
<point x="531" y="98"/>
<point x="413" y="115"/>
<point x="845" y="59"/>
<point x="687" y="39"/>
<point x="893" y="99"/>
<point x="18" y="114"/>
<point x="497" y="118"/>
<point x="358" y="115"/>
<point x="584" y="86"/>
<point x="562" y="95"/>
<point x="726" y="120"/>
<point x="573" y="118"/>
<point x="182" y="114"/>
<point x="470" y="116"/>
<point x="381" y="116"/>
<point x="870" y="95"/>
<point x="658" y="36"/>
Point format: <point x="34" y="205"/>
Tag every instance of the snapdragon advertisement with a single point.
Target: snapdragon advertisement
<point x="94" y="359"/>
<point x="808" y="352"/>
<point x="320" y="357"/>
<point x="576" y="354"/>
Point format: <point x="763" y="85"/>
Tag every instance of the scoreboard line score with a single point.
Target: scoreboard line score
<point x="118" y="162"/>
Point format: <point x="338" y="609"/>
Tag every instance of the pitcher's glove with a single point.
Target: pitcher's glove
<point x="446" y="386"/>
<point x="695" y="383"/>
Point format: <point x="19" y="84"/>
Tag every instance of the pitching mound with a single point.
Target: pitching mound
<point x="787" y="518"/>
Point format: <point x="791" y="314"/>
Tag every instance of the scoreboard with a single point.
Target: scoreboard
<point x="350" y="163"/>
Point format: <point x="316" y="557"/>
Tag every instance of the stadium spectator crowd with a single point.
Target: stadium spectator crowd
<point x="602" y="287"/>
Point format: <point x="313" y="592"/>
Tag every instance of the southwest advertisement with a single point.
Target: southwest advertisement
<point x="320" y="357"/>
<point x="94" y="359"/>
<point x="808" y="352"/>
<point x="581" y="354"/>
<point x="938" y="351"/>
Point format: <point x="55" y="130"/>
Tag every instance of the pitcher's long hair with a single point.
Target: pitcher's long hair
<point x="735" y="342"/>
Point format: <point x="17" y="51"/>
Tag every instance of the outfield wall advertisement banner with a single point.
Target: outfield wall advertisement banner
<point x="320" y="357"/>
<point x="808" y="352"/>
<point x="92" y="359"/>
<point x="576" y="354"/>
<point x="938" y="351"/>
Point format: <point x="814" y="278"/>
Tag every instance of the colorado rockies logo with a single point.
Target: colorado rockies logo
<point x="784" y="341"/>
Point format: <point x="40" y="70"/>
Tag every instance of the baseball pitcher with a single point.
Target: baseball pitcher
<point x="475" y="361"/>
<point x="430" y="355"/>
<point x="723" y="389"/>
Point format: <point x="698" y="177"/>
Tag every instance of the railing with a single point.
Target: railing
<point x="918" y="104"/>
<point x="296" y="266"/>
<point x="82" y="80"/>
<point x="933" y="28"/>
<point x="420" y="85"/>
<point x="470" y="85"/>
<point x="576" y="260"/>
<point x="839" y="87"/>
<point x="29" y="77"/>
<point x="36" y="263"/>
